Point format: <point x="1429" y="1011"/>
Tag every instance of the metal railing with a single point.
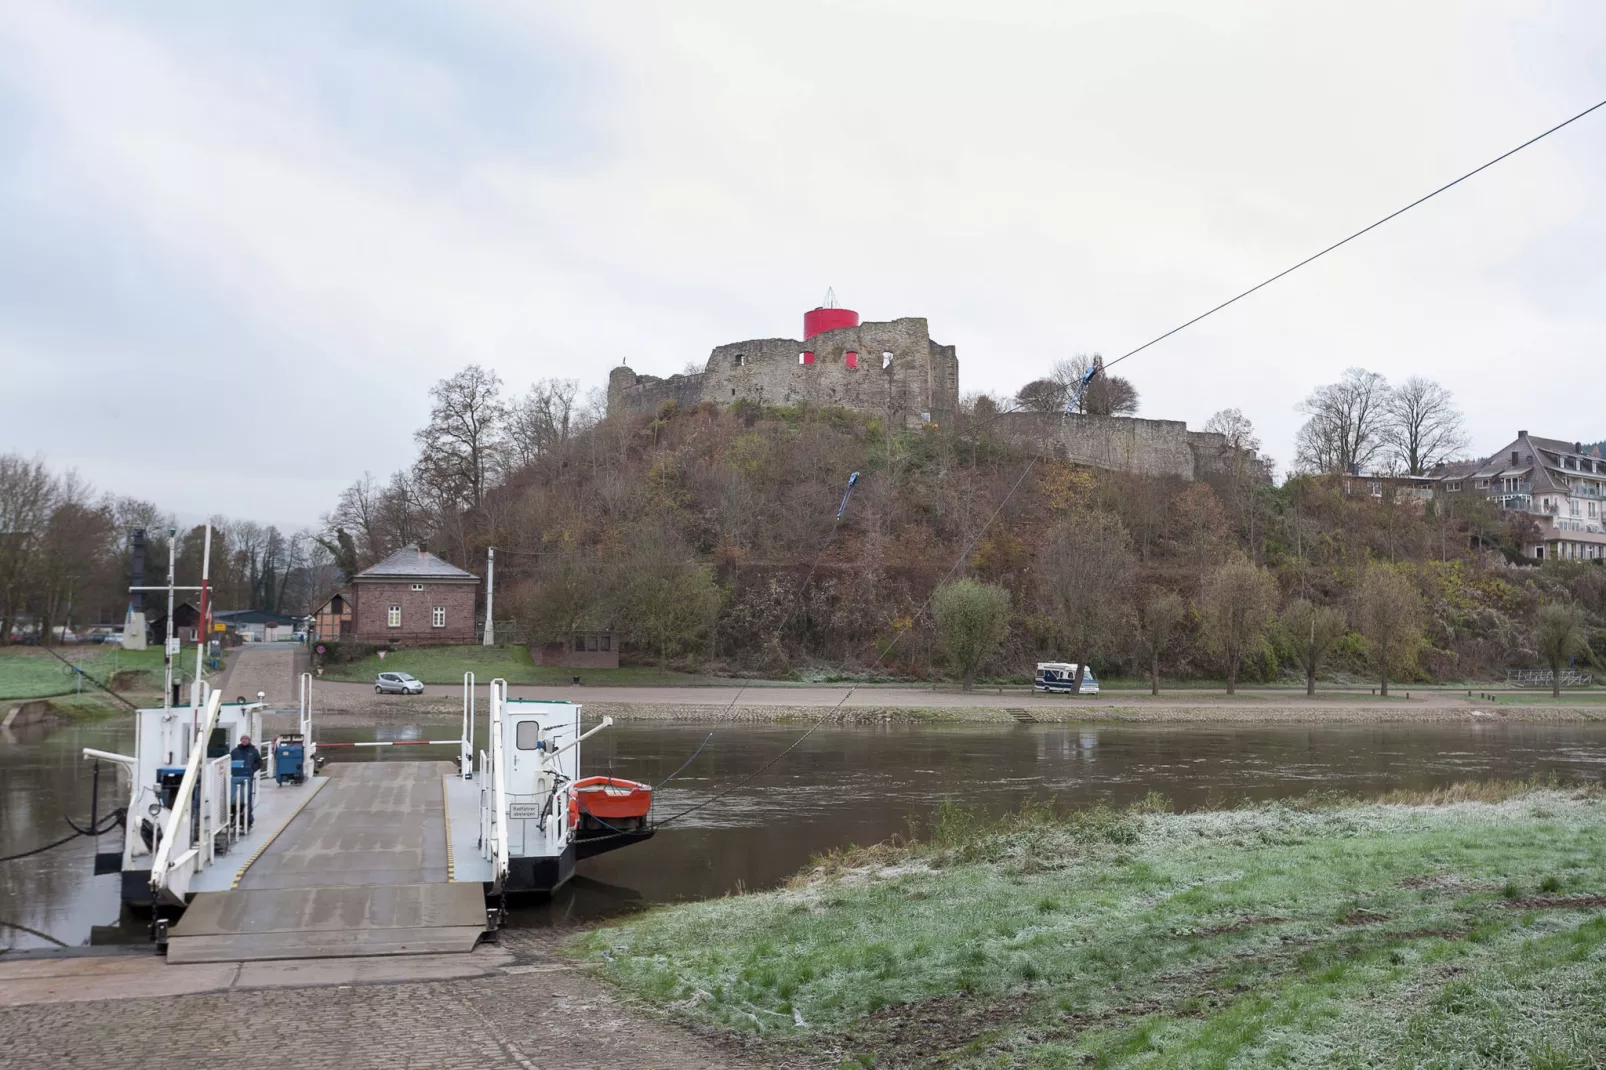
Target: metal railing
<point x="498" y="792"/>
<point x="1545" y="678"/>
<point x="170" y="875"/>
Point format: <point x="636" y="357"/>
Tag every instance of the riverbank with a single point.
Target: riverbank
<point x="1463" y="927"/>
<point x="356" y="706"/>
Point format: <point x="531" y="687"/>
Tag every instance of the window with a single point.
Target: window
<point x="607" y="642"/>
<point x="591" y="643"/>
<point x="738" y="360"/>
<point x="439" y="617"/>
<point x="851" y="359"/>
<point x="579" y="644"/>
<point x="1483" y="484"/>
<point x="1452" y="486"/>
<point x="418" y="586"/>
<point x="526" y="734"/>
<point x="805" y="358"/>
<point x="395" y="616"/>
<point x="886" y="361"/>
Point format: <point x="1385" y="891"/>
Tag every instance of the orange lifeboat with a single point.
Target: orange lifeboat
<point x="612" y="800"/>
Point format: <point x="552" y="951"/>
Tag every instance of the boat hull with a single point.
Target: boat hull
<point x="540" y="874"/>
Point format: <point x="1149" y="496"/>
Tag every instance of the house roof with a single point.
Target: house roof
<point x="414" y="563"/>
<point x="253" y="616"/>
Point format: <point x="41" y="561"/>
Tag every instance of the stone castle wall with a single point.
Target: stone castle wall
<point x="1121" y="443"/>
<point x="906" y="378"/>
<point x="902" y="375"/>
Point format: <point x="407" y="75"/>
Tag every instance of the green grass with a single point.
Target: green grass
<point x="1569" y="697"/>
<point x="447" y="664"/>
<point x="29" y="672"/>
<point x="1448" y="931"/>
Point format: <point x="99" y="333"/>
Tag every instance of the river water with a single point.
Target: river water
<point x="840" y="786"/>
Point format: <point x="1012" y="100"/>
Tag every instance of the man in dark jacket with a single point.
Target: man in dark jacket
<point x="249" y="760"/>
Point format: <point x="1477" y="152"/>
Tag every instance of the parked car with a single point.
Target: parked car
<point x="1060" y="676"/>
<point x="397" y="683"/>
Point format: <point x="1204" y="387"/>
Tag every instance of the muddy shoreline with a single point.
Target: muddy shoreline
<point x="355" y="709"/>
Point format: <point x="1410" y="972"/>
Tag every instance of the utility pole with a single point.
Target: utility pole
<point x="204" y="633"/>
<point x="490" y="594"/>
<point x="168" y="647"/>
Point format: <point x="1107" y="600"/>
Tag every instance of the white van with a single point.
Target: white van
<point x="1061" y="676"/>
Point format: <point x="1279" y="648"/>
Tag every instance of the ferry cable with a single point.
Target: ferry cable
<point x="32" y="932"/>
<point x="113" y="819"/>
<point x="1357" y="234"/>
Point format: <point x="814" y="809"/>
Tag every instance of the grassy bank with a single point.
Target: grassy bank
<point x="29" y="672"/>
<point x="1464" y="929"/>
<point x="447" y="664"/>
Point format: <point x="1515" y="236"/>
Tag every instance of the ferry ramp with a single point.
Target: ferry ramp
<point x="362" y="869"/>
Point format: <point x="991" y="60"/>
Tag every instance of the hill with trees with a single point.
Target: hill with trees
<point x="710" y="537"/>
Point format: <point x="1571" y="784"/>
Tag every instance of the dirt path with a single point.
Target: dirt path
<point x="355" y="704"/>
<point x="268" y="668"/>
<point x="516" y="1005"/>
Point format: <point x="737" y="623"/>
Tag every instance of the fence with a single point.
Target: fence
<point x="1544" y="678"/>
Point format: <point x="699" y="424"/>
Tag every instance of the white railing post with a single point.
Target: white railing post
<point x="181" y="806"/>
<point x="465" y="758"/>
<point x="499" y="783"/>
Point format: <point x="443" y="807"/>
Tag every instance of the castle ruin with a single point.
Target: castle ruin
<point x="895" y="370"/>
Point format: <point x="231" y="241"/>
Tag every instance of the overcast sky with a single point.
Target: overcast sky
<point x="239" y="242"/>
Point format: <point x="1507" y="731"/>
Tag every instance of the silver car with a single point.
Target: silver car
<point x="397" y="683"/>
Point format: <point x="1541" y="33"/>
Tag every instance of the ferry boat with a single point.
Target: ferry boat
<point x="514" y="816"/>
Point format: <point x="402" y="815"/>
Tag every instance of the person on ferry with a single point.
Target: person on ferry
<point x="250" y="760"/>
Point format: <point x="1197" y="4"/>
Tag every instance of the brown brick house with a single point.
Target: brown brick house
<point x="413" y="597"/>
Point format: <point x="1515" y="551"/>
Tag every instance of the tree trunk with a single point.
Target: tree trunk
<point x="1232" y="677"/>
<point x="1383" y="681"/>
<point x="1081" y="675"/>
<point x="1310" y="680"/>
<point x="969" y="679"/>
<point x="1555" y="680"/>
<point x="1154" y="674"/>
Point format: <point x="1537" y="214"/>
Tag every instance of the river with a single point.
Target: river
<point x="839" y="786"/>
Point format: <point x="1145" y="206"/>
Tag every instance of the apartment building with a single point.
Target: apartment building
<point x="1556" y="483"/>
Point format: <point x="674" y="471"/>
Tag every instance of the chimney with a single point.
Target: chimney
<point x="1522" y="434"/>
<point x="1578" y="447"/>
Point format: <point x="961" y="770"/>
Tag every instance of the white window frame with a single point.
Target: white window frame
<point x="418" y="586"/>
<point x="437" y="617"/>
<point x="393" y="618"/>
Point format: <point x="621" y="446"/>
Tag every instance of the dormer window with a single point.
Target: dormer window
<point x="851" y="359"/>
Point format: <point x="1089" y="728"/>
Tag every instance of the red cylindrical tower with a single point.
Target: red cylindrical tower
<point x="828" y="317"/>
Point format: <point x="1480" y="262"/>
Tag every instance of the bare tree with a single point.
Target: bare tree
<point x="541" y="424"/>
<point x="1041" y="395"/>
<point x="1345" y="430"/>
<point x="460" y="451"/>
<point x="1308" y="634"/>
<point x="27" y="495"/>
<point x="1084" y="573"/>
<point x="1159" y="620"/>
<point x="358" y="511"/>
<point x="1560" y="638"/>
<point x="1237" y="430"/>
<point x="1387" y="613"/>
<point x="1422" y="427"/>
<point x="1107" y="395"/>
<point x="1236" y="604"/>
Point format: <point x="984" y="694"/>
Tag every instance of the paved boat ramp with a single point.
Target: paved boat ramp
<point x="374" y="858"/>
